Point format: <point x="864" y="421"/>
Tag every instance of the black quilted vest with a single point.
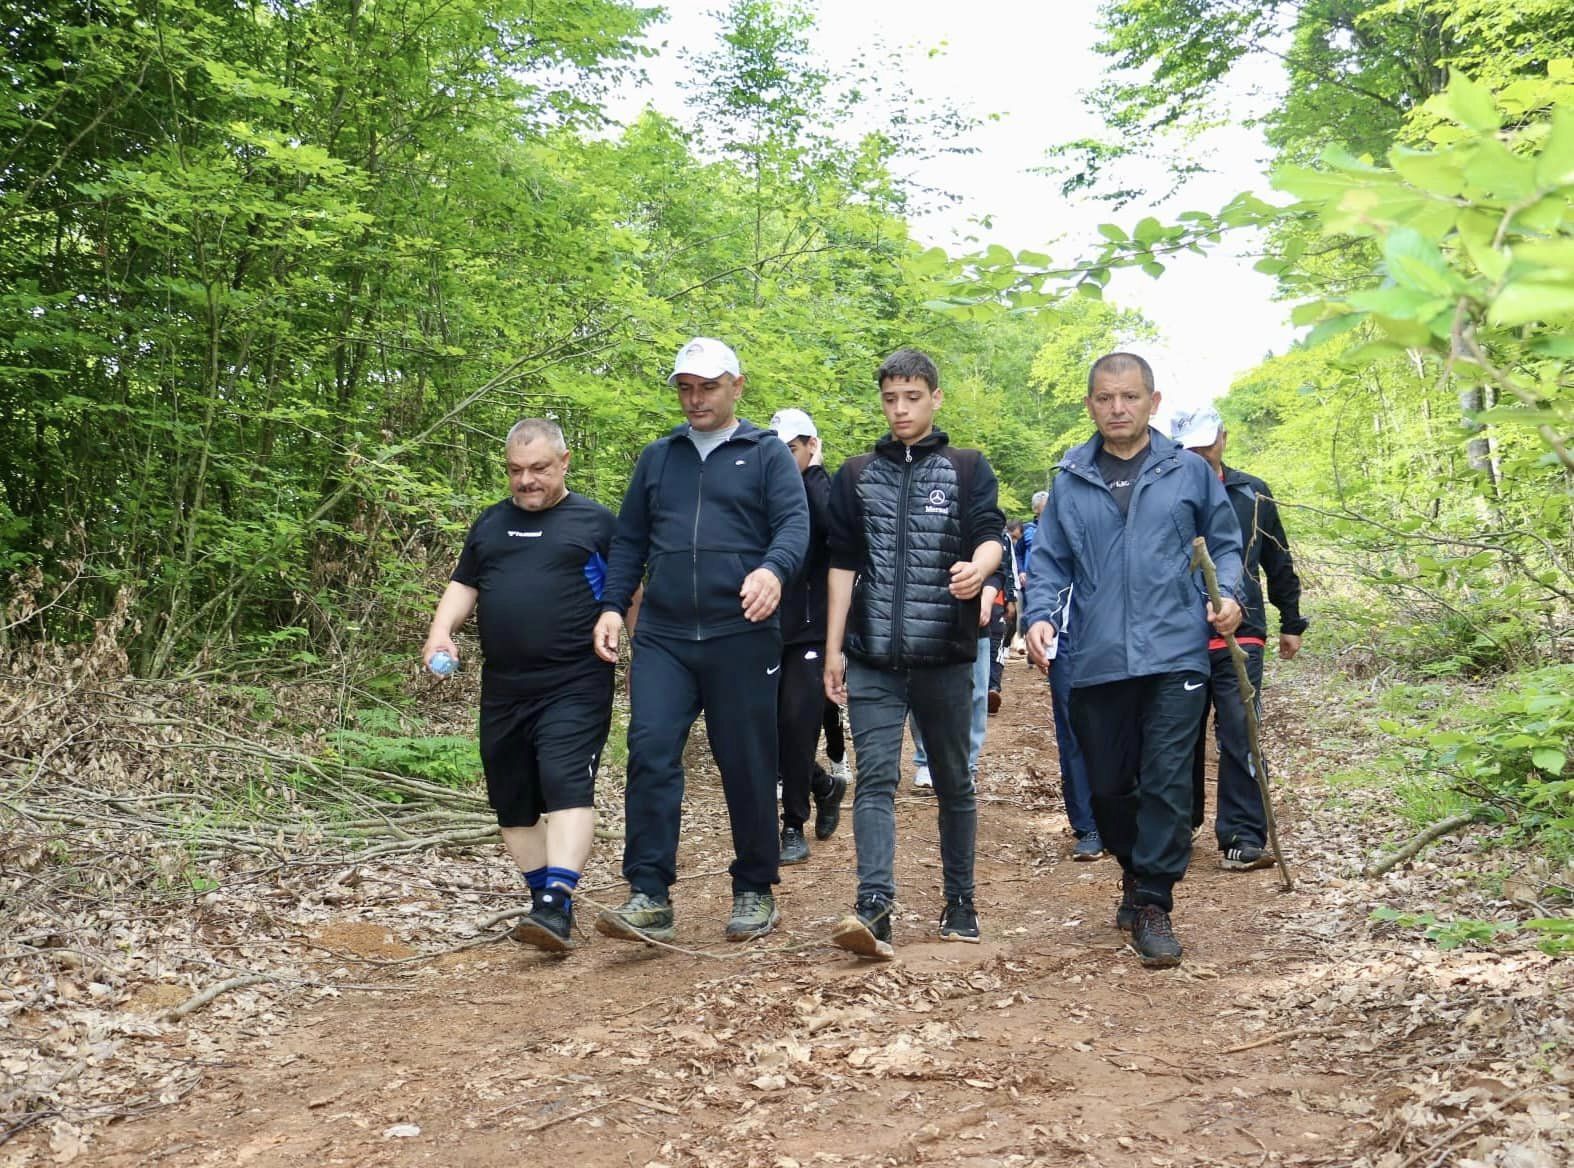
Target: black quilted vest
<point x="914" y="520"/>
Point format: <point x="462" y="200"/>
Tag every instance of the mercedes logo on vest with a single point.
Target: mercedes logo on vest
<point x="937" y="503"/>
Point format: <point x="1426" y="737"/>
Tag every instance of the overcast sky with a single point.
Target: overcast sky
<point x="1029" y="63"/>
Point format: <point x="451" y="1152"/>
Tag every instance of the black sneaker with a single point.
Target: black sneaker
<point x="1245" y="857"/>
<point x="1126" y="914"/>
<point x="795" y="849"/>
<point x="959" y="922"/>
<point x="1154" y="939"/>
<point x="866" y="931"/>
<point x="828" y="805"/>
<point x="549" y="926"/>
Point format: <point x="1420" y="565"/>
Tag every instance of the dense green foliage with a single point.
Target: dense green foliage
<point x="1420" y="437"/>
<point x="275" y="278"/>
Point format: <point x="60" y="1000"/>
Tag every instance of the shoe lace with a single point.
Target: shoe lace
<point x="749" y="902"/>
<point x="1156" y="922"/>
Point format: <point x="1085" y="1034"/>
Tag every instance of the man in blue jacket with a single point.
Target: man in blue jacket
<point x="715" y="524"/>
<point x="1119" y="527"/>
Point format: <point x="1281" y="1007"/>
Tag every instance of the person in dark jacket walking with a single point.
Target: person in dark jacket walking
<point x="915" y="533"/>
<point x="715" y="523"/>
<point x="1119" y="525"/>
<point x="1239" y="823"/>
<point x="800" y="701"/>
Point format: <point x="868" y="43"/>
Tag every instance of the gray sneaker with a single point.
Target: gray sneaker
<point x="642" y="918"/>
<point x="753" y="915"/>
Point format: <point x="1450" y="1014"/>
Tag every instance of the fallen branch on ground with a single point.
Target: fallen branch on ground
<point x="1412" y="849"/>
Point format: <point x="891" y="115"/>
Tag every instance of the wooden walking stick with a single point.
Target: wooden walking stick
<point x="1210" y="577"/>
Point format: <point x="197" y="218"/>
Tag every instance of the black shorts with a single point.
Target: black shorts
<point x="540" y="752"/>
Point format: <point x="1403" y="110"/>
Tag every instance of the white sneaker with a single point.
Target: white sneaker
<point x="922" y="781"/>
<point x="838" y="770"/>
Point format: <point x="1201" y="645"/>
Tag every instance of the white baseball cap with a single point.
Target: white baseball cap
<point x="790" y="424"/>
<point x="1198" y="428"/>
<point x="705" y="357"/>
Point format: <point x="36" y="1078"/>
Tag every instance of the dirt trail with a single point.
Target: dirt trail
<point x="1048" y="1044"/>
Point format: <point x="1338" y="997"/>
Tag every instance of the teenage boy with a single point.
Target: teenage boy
<point x="1119" y="525"/>
<point x="800" y="702"/>
<point x="915" y="533"/>
<point x="715" y="514"/>
<point x="534" y="564"/>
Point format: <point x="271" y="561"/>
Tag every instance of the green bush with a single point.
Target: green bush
<point x="1510" y="753"/>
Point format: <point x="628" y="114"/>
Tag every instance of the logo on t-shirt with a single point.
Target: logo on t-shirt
<point x="527" y="534"/>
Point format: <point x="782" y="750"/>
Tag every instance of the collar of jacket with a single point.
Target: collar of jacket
<point x="1237" y="478"/>
<point x="746" y="432"/>
<point x="896" y="451"/>
<point x="1081" y="460"/>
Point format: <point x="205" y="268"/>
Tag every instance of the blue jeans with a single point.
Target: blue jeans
<point x="877" y="704"/>
<point x="1075" y="790"/>
<point x="975" y="743"/>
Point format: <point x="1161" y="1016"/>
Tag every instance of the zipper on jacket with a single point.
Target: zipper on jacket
<point x="898" y="593"/>
<point x="694" y="549"/>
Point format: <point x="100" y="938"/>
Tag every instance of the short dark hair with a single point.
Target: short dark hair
<point x="914" y="364"/>
<point x="528" y="430"/>
<point x="1014" y="527"/>
<point x="1121" y="363"/>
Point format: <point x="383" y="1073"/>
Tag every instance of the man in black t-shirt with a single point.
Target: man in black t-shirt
<point x="535" y="564"/>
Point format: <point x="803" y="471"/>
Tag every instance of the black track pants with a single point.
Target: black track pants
<point x="1137" y="738"/>
<point x="734" y="680"/>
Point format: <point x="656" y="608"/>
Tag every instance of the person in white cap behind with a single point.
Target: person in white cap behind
<point x="715" y="524"/>
<point x="801" y="700"/>
<point x="1239" y="822"/>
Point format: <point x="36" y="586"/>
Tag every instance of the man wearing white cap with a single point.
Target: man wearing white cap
<point x="800" y="703"/>
<point x="1239" y="822"/>
<point x="714" y="523"/>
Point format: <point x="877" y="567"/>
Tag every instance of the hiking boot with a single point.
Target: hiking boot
<point x="1090" y="847"/>
<point x="866" y="931"/>
<point x="959" y="922"/>
<point x="828" y="804"/>
<point x="642" y="918"/>
<point x="1245" y="857"/>
<point x="795" y="849"/>
<point x="1154" y="939"/>
<point x="923" y="780"/>
<point x="754" y="913"/>
<point x="994" y="701"/>
<point x="549" y="926"/>
<point x="1126" y="914"/>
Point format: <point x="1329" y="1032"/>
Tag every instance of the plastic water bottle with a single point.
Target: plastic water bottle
<point x="441" y="663"/>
